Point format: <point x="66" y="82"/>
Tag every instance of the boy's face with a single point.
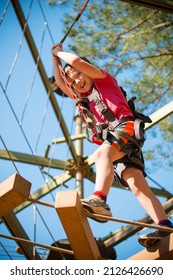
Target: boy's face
<point x="80" y="82"/>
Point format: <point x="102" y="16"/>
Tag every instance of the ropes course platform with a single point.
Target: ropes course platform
<point x="15" y="190"/>
<point x="161" y="251"/>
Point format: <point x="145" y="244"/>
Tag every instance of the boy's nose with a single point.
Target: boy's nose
<point x="77" y="81"/>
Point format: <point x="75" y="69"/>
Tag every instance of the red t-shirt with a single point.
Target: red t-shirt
<point x="112" y="97"/>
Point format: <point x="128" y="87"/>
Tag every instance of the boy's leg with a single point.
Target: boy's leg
<point x="104" y="157"/>
<point x="139" y="186"/>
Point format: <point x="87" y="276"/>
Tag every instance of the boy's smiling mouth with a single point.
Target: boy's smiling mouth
<point x="83" y="84"/>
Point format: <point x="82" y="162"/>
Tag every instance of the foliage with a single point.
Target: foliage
<point x="57" y="2"/>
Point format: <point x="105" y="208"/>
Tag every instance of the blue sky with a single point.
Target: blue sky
<point x="24" y="104"/>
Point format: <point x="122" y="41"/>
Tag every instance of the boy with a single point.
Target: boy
<point x="119" y="150"/>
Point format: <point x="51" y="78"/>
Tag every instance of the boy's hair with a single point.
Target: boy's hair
<point x="68" y="65"/>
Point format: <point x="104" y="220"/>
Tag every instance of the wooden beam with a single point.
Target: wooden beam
<point x="161" y="5"/>
<point x="13" y="192"/>
<point x="160" y="114"/>
<point x="15" y="228"/>
<point x="69" y="208"/>
<point x="72" y="138"/>
<point x="32" y="159"/>
<point x="160" y="251"/>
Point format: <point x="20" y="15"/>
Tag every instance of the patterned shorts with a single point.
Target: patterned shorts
<point x="133" y="157"/>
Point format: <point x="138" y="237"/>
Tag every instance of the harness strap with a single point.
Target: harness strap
<point x="130" y="149"/>
<point x="137" y="161"/>
<point x="139" y="130"/>
<point x="113" y="121"/>
<point x="119" y="133"/>
<point x="100" y="105"/>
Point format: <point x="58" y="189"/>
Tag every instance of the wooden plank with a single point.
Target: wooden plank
<point x="160" y="251"/>
<point x="13" y="191"/>
<point x="69" y="208"/>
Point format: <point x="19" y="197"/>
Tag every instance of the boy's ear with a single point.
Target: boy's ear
<point x="55" y="88"/>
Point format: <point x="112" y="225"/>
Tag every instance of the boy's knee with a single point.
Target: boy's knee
<point x="98" y="154"/>
<point x="138" y="184"/>
<point x="134" y="178"/>
<point x="135" y="190"/>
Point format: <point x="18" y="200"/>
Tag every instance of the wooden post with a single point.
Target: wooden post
<point x="13" y="191"/>
<point x="69" y="208"/>
<point x="79" y="152"/>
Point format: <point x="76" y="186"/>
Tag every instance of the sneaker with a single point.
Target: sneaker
<point x="152" y="238"/>
<point x="93" y="204"/>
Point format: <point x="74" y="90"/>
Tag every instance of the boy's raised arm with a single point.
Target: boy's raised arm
<point x="78" y="63"/>
<point x="59" y="80"/>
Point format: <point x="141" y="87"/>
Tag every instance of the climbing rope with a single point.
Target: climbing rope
<point x="38" y="244"/>
<point x="76" y="19"/>
<point x="5" y="11"/>
<point x="32" y="200"/>
<point x="114" y="219"/>
<point x="135" y="223"/>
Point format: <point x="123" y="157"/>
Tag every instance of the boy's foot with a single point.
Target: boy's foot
<point x="152" y="238"/>
<point x="94" y="205"/>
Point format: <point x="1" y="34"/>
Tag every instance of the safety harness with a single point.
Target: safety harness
<point x="111" y="130"/>
<point x="138" y="118"/>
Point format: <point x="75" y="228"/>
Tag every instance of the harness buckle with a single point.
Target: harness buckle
<point x="113" y="125"/>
